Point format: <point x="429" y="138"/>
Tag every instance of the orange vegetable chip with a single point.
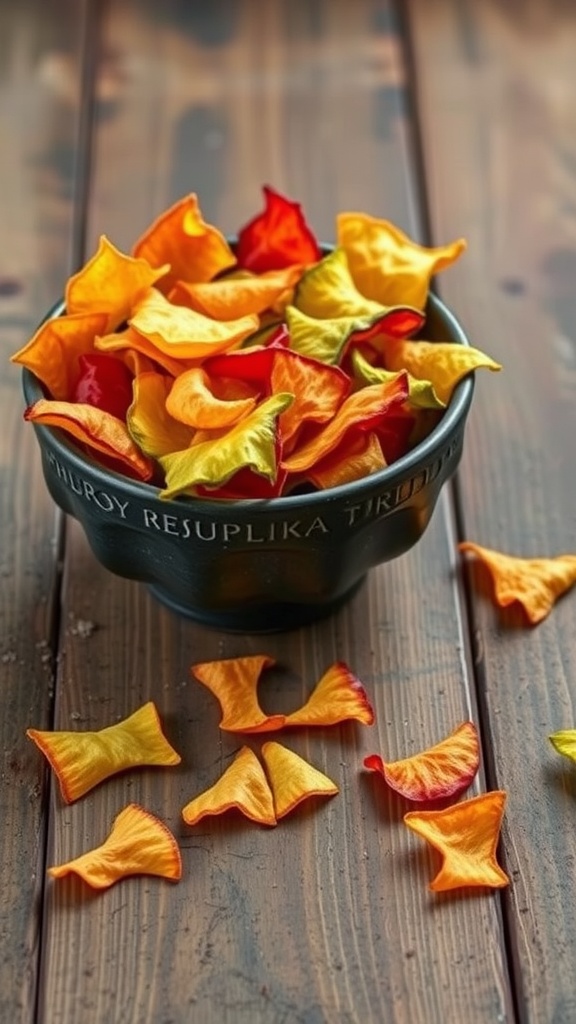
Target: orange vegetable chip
<point x="337" y="697"/>
<point x="293" y="779"/>
<point x="234" y="683"/>
<point x="192" y="400"/>
<point x="195" y="250"/>
<point x="183" y="333"/>
<point x="386" y="265"/>
<point x="318" y="390"/>
<point x="149" y="422"/>
<point x="94" y="427"/>
<point x="443" y="770"/>
<point x="440" y="363"/>
<point x="466" y="835"/>
<point x="253" y="442"/>
<point x="535" y="583"/>
<point x="81" y="760"/>
<point x="242" y="786"/>
<point x="52" y="354"/>
<point x="362" y="411"/>
<point x="110" y="282"/>
<point x="139" y="844"/>
<point x="231" y="297"/>
<point x="134" y="348"/>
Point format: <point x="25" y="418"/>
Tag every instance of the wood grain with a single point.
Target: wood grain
<point x="498" y="101"/>
<point x="327" y="917"/>
<point x="37" y="129"/>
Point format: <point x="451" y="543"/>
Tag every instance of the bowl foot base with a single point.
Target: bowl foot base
<point x="269" y="618"/>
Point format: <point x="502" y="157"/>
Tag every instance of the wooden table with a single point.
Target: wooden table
<point x="450" y="118"/>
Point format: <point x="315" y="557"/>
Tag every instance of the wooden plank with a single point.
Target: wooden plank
<point x="497" y="96"/>
<point x="327" y="917"/>
<point x="37" y="130"/>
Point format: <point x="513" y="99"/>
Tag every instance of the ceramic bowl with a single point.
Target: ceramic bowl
<point x="258" y="566"/>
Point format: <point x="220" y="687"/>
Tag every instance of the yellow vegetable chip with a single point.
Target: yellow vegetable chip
<point x="243" y="786"/>
<point x="83" y="759"/>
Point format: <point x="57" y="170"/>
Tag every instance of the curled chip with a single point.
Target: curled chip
<point x="292" y="778"/>
<point x="386" y="265"/>
<point x="96" y="428"/>
<point x="243" y="787"/>
<point x="441" y="364"/>
<point x="139" y="844"/>
<point x="535" y="583"/>
<point x="83" y="759"/>
<point x="194" y="250"/>
<point x="338" y="697"/>
<point x="443" y="770"/>
<point x="466" y="836"/>
<point x="111" y="282"/>
<point x="234" y="683"/>
<point x="276" y="238"/>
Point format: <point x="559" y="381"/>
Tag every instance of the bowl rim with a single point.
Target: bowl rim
<point x="407" y="465"/>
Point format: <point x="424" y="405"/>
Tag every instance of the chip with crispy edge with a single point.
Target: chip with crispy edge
<point x="193" y="400"/>
<point x="466" y="835"/>
<point x="442" y="363"/>
<point x="386" y="264"/>
<point x="443" y="770"/>
<point x="195" y="250"/>
<point x="276" y="238"/>
<point x="329" y="339"/>
<point x="535" y="583"/>
<point x="292" y="778"/>
<point x="421" y="394"/>
<point x="81" y="760"/>
<point x="318" y="390"/>
<point x="183" y="333"/>
<point x="564" y="742"/>
<point x="95" y="428"/>
<point x="234" y="683"/>
<point x="253" y="442"/>
<point x="234" y="296"/>
<point x="362" y="412"/>
<point x="138" y="844"/>
<point x="52" y="354"/>
<point x="133" y="346"/>
<point x="110" y="282"/>
<point x="337" y="697"/>
<point x="243" y="786"/>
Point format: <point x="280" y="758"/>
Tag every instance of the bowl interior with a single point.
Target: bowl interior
<point x="441" y="325"/>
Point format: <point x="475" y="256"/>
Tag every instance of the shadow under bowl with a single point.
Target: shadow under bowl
<point x="258" y="566"/>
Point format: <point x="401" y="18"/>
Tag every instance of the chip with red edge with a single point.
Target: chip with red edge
<point x="444" y="770"/>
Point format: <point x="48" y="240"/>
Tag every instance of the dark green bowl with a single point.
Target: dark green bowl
<point x="258" y="566"/>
